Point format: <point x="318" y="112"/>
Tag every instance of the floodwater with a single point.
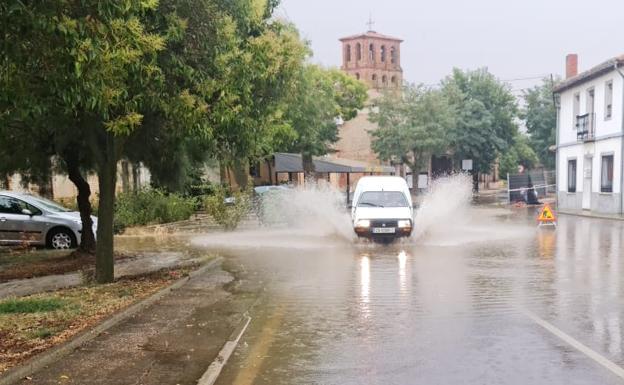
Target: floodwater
<point x="490" y="300"/>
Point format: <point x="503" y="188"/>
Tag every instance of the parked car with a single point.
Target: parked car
<point x="267" y="203"/>
<point x="33" y="220"/>
<point x="382" y="208"/>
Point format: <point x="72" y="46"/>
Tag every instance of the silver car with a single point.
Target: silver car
<point x="32" y="220"/>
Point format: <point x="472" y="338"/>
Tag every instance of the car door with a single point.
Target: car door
<point x="16" y="226"/>
<point x="5" y="208"/>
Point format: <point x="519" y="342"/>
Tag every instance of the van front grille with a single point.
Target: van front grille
<point x="384" y="223"/>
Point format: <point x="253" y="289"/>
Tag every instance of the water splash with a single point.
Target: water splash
<point x="446" y="204"/>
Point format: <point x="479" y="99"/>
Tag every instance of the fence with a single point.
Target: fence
<point x="543" y="181"/>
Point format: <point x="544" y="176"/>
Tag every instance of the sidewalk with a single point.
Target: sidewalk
<point x="589" y="214"/>
<point x="147" y="263"/>
<point x="171" y="342"/>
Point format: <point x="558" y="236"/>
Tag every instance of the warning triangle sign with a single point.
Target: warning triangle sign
<point x="546" y="215"/>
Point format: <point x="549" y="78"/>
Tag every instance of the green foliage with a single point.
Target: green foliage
<point x="541" y="121"/>
<point x="485" y="113"/>
<point x="519" y="154"/>
<point x="413" y="125"/>
<point x="229" y="214"/>
<point x="30" y="305"/>
<point x="151" y="206"/>
<point x="321" y="96"/>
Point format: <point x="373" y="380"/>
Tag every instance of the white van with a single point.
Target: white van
<point x="382" y="207"/>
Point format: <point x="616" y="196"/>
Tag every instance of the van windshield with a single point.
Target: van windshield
<point x="382" y="199"/>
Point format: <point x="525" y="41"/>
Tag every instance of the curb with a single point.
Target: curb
<point x="212" y="373"/>
<point x="44" y="359"/>
<point x="591" y="216"/>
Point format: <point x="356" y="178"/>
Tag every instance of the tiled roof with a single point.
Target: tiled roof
<point x="592" y="73"/>
<point x="372" y="34"/>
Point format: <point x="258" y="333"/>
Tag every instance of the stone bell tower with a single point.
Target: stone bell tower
<point x="373" y="58"/>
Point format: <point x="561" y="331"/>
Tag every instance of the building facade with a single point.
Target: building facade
<point x="590" y="138"/>
<point x="374" y="59"/>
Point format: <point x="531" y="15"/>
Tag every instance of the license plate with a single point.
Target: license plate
<point x="384" y="230"/>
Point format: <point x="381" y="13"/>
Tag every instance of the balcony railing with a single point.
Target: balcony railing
<point x="586" y="127"/>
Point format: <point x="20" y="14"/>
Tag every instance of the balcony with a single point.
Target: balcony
<point x="586" y="127"/>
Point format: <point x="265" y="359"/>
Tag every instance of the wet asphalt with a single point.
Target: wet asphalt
<point x="497" y="302"/>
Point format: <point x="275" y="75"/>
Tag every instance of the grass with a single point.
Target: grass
<point x="30" y="305"/>
<point x="32" y="324"/>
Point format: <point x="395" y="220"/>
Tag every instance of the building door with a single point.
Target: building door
<point x="587" y="182"/>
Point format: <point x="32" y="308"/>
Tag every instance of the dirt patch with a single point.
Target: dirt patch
<point x="25" y="335"/>
<point x="31" y="263"/>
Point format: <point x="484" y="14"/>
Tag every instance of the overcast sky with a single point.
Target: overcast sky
<point x="513" y="38"/>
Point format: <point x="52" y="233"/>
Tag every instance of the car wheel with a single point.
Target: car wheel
<point x="61" y="239"/>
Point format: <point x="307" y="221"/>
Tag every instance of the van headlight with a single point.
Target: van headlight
<point x="362" y="223"/>
<point x="405" y="223"/>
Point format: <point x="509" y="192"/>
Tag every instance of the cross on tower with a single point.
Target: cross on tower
<point x="370" y="23"/>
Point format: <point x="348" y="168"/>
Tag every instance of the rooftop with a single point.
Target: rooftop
<point x="591" y="73"/>
<point x="371" y="34"/>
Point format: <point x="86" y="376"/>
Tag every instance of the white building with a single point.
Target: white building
<point x="590" y="138"/>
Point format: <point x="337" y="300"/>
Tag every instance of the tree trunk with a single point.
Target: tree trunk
<point x="87" y="238"/>
<point x="136" y="177"/>
<point x="46" y="188"/>
<point x="241" y="174"/>
<point x="475" y="181"/>
<point x="308" y="167"/>
<point x="107" y="177"/>
<point x="223" y="172"/>
<point x="125" y="176"/>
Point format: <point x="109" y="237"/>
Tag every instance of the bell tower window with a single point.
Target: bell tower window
<point x="371" y="52"/>
<point x="358" y="52"/>
<point x="383" y="53"/>
<point x="348" y="52"/>
<point x="393" y="55"/>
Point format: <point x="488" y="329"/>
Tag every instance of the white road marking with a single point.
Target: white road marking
<point x="615" y="369"/>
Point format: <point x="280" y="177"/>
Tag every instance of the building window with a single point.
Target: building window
<point x="357" y="75"/>
<point x="606" y="174"/>
<point x="374" y="77"/>
<point x="371" y="52"/>
<point x="609" y="100"/>
<point x="348" y="52"/>
<point x="590" y="101"/>
<point x="572" y="175"/>
<point x="358" y="51"/>
<point x="383" y="53"/>
<point x="393" y="55"/>
<point x="393" y="80"/>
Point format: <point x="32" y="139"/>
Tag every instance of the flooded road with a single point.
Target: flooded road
<point x="494" y="302"/>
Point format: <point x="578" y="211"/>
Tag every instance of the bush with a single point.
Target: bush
<point x="230" y="214"/>
<point x="151" y="206"/>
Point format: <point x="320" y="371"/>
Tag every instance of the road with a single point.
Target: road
<point x="491" y="301"/>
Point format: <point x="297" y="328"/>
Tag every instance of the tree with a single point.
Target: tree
<point x="413" y="126"/>
<point x="319" y="99"/>
<point x="519" y="154"/>
<point x="485" y="113"/>
<point x="540" y="117"/>
<point x="88" y="83"/>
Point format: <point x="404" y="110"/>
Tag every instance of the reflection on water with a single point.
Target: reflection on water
<point x="365" y="286"/>
<point x="402" y="257"/>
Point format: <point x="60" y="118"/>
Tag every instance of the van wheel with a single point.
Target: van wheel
<point x="61" y="239"/>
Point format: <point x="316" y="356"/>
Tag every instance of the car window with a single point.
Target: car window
<point x="382" y="199"/>
<point x="9" y="205"/>
<point x="49" y="205"/>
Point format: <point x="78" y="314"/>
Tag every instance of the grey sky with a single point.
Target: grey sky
<point x="513" y="38"/>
